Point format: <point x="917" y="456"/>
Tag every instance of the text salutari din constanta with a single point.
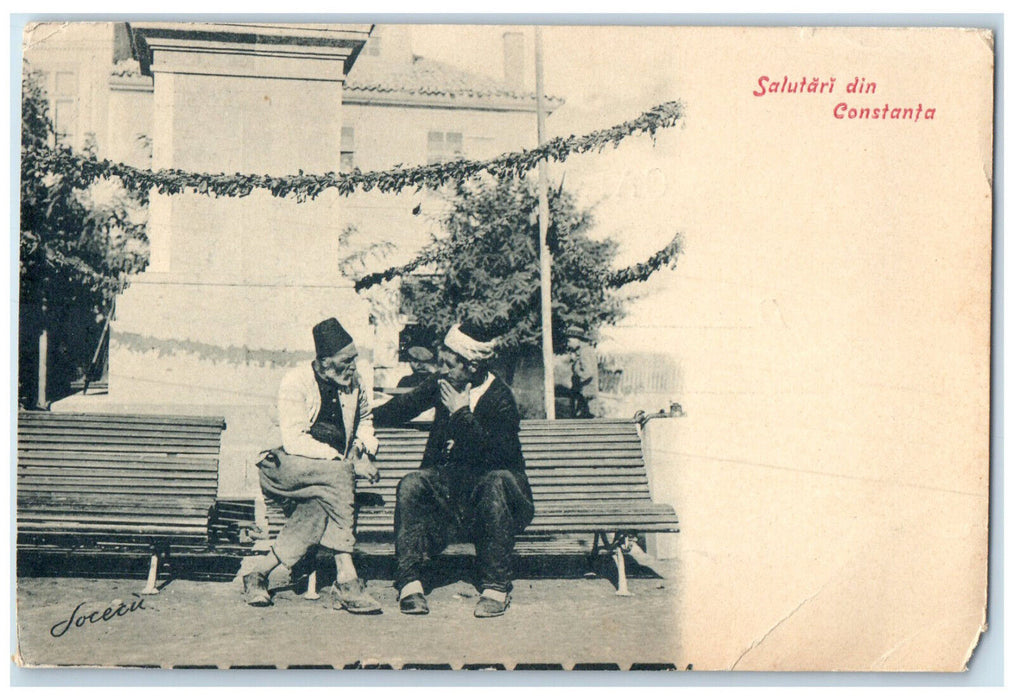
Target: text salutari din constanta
<point x="844" y="110"/>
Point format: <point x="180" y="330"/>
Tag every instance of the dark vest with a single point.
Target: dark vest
<point x="329" y="427"/>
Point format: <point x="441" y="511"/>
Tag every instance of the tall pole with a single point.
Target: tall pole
<point x="40" y="395"/>
<point x="546" y="263"/>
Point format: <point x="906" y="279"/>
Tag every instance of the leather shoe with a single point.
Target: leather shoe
<point x="414" y="604"/>
<point x="255" y="589"/>
<point x="352" y="596"/>
<point x="488" y="607"/>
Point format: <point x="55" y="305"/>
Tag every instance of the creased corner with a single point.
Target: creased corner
<point x="37" y="33"/>
<point x="988" y="37"/>
<point x="760" y="640"/>
<point x="974" y="645"/>
<point x="977" y="637"/>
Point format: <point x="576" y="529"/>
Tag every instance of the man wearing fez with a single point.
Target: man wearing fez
<point x="471" y="483"/>
<point x="327" y="439"/>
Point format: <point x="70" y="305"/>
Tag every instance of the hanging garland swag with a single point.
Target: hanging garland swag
<point x="83" y="171"/>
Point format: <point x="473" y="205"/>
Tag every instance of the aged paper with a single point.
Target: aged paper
<point x="825" y="332"/>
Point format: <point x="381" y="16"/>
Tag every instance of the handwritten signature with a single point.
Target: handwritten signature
<point x="117" y="608"/>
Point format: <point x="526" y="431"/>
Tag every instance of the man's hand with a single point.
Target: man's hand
<point x="358" y="449"/>
<point x="367" y="469"/>
<point x="451" y="399"/>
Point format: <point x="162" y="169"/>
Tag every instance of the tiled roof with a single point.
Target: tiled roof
<point x="421" y="77"/>
<point x="425" y="77"/>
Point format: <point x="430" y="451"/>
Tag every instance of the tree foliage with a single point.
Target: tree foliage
<point x="486" y="267"/>
<point x="76" y="242"/>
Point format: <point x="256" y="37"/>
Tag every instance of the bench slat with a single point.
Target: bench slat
<point x="114" y="530"/>
<point x="205" y="485"/>
<point x="29" y="417"/>
<point x="132" y="491"/>
<point x="530" y="467"/>
<point x="76" y="430"/>
<point x="532" y="440"/>
<point x="586" y="454"/>
<point x="98" y="475"/>
<point x="40" y="458"/>
<point x="114" y="502"/>
<point x="196" y="518"/>
<point x="552" y="471"/>
<point x="126" y="444"/>
<point x="629" y="507"/>
<point x="548" y="476"/>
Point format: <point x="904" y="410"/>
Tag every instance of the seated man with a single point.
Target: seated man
<point x="326" y="423"/>
<point x="472" y="480"/>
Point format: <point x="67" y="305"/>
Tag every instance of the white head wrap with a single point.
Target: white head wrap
<point x="468" y="347"/>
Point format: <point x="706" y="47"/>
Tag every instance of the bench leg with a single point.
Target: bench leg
<point x="619" y="545"/>
<point x="621" y="572"/>
<point x="311" y="587"/>
<point x="593" y="556"/>
<point x="152" y="586"/>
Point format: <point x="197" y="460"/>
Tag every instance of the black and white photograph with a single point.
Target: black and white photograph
<point x="349" y="345"/>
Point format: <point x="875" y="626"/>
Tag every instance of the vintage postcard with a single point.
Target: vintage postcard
<point x="512" y="347"/>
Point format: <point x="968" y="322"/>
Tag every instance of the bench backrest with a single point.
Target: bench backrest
<point x="566" y="460"/>
<point x="116" y="477"/>
<point x="585" y="475"/>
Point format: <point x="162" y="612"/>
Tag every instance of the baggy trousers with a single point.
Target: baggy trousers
<point x="429" y="512"/>
<point x="317" y="497"/>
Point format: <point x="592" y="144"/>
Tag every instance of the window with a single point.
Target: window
<point x="63" y="105"/>
<point x="373" y="45"/>
<point x="441" y="146"/>
<point x="348" y="149"/>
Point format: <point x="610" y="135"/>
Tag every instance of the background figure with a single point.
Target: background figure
<point x="584" y="374"/>
<point x="421" y="361"/>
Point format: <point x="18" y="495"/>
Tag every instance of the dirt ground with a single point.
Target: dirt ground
<point x="552" y="622"/>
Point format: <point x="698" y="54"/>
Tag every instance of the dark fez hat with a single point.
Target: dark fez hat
<point x="329" y="337"/>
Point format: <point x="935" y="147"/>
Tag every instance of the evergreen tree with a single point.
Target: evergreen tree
<point x="487" y="268"/>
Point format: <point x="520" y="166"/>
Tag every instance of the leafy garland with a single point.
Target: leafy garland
<point x="85" y="170"/>
<point x="667" y="256"/>
<point x="641" y="271"/>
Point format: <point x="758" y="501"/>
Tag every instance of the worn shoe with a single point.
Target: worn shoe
<point x="414" y="604"/>
<point x="352" y="596"/>
<point x="488" y="607"/>
<point x="255" y="590"/>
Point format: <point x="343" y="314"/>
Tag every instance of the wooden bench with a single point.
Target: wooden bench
<point x="116" y="483"/>
<point x="587" y="477"/>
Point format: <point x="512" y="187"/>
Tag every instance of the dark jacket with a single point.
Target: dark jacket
<point x="474" y="442"/>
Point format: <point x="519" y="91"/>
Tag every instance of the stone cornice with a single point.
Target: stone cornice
<point x="131" y="83"/>
<point x="285" y="51"/>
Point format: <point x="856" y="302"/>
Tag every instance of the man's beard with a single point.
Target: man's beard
<point x="340" y="380"/>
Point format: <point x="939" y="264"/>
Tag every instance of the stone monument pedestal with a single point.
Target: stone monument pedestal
<point x="235" y="284"/>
